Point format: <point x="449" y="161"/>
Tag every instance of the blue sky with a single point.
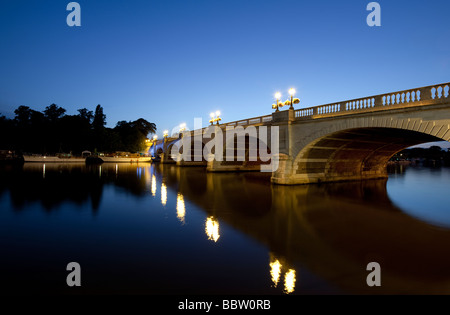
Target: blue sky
<point x="169" y="61"/>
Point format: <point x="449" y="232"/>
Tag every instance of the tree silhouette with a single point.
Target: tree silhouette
<point x="51" y="131"/>
<point x="53" y="112"/>
<point x="23" y="115"/>
<point x="86" y="114"/>
<point x="99" y="118"/>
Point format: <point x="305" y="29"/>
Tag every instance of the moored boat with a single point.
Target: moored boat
<point x="52" y="159"/>
<point x="122" y="159"/>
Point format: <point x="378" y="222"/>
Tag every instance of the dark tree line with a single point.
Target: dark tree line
<point x="431" y="155"/>
<point x="52" y="131"/>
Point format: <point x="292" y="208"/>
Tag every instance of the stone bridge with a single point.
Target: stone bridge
<point x="349" y="140"/>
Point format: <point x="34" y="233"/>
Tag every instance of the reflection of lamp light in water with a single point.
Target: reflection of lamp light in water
<point x="153" y="185"/>
<point x="275" y="271"/>
<point x="163" y="194"/>
<point x="181" y="210"/>
<point x="289" y="281"/>
<point x="212" y="229"/>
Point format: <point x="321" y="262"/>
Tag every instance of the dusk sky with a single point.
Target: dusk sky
<point x="169" y="61"/>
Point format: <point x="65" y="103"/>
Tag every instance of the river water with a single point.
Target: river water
<point x="162" y="229"/>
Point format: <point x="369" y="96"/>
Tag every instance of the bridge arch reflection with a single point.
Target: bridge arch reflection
<point x="331" y="230"/>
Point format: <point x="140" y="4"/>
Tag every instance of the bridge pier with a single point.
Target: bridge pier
<point x="165" y="159"/>
<point x="216" y="166"/>
<point x="183" y="163"/>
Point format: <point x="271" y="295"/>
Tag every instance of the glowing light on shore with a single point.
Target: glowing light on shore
<point x="212" y="229"/>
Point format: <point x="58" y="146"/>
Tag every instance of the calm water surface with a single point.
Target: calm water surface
<point x="161" y="229"/>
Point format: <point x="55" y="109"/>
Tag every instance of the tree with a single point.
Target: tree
<point x="53" y="112"/>
<point x="133" y="134"/>
<point x="29" y="129"/>
<point x="86" y="114"/>
<point x="23" y="115"/>
<point x="144" y="126"/>
<point x="99" y="118"/>
<point x="98" y="125"/>
<point x="53" y="131"/>
<point x="7" y="128"/>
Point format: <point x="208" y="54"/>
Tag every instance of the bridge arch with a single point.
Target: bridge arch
<point x="357" y="148"/>
<point x="355" y="153"/>
<point x="243" y="151"/>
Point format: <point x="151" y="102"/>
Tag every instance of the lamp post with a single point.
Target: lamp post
<point x="215" y="118"/>
<point x="277" y="102"/>
<point x="153" y="144"/>
<point x="155" y="137"/>
<point x="165" y="134"/>
<point x="293" y="100"/>
<point x="181" y="130"/>
<point x="290" y="101"/>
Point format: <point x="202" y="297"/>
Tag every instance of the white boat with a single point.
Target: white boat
<point x="52" y="159"/>
<point x="124" y="159"/>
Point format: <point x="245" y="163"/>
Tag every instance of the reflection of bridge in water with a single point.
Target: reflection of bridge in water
<point x="333" y="230"/>
<point x="346" y="140"/>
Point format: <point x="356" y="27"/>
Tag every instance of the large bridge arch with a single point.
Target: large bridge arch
<point x="357" y="153"/>
<point x="353" y="148"/>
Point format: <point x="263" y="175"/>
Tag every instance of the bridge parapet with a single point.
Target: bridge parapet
<point x="251" y="121"/>
<point x="432" y="94"/>
<point x="261" y="120"/>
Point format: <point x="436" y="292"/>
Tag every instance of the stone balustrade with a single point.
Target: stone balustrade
<point x="432" y="94"/>
<point x="251" y="121"/>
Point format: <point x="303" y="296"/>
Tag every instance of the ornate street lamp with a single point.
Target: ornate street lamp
<point x="215" y="117"/>
<point x="293" y="100"/>
<point x="277" y="102"/>
<point x="290" y="102"/>
<point x="181" y="130"/>
<point x="153" y="141"/>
